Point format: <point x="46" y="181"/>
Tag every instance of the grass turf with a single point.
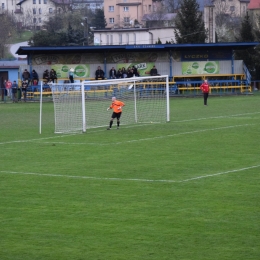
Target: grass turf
<point x="187" y="189"/>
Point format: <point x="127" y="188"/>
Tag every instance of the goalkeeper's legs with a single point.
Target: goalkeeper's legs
<point x="118" y="119"/>
<point x="110" y="123"/>
<point x="117" y="116"/>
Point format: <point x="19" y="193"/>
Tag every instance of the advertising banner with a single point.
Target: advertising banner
<point x="200" y="67"/>
<point x="204" y="55"/>
<point x="143" y="68"/>
<point x="80" y="71"/>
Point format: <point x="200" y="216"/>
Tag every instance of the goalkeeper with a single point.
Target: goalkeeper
<point x="117" y="111"/>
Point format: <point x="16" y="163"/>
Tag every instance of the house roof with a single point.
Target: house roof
<point x="13" y="64"/>
<point x="131" y="29"/>
<point x="254" y="4"/>
<point x="159" y="17"/>
<point x="21" y="2"/>
<point x="25" y="50"/>
<point x="129" y="4"/>
<point x="62" y="2"/>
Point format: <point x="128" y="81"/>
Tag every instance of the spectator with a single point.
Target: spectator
<point x="53" y="75"/>
<point x="153" y="71"/>
<point x="71" y="75"/>
<point x="14" y="91"/>
<point x="8" y="86"/>
<point x="130" y="73"/>
<point x="4" y="88"/>
<point x="26" y="75"/>
<point x="35" y="78"/>
<point x="124" y="72"/>
<point x="99" y="73"/>
<point x="112" y="73"/>
<point x="119" y="74"/>
<point x="135" y="71"/>
<point x="46" y="76"/>
<point x="24" y="89"/>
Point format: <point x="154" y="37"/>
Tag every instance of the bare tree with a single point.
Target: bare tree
<point x="6" y="31"/>
<point x="171" y="6"/>
<point x="62" y="6"/>
<point x="160" y="15"/>
<point x="228" y="21"/>
<point x="25" y="20"/>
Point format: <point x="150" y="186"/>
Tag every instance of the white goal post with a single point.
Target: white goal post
<point x="80" y="106"/>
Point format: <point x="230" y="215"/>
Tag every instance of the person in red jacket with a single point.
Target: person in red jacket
<point x="117" y="111"/>
<point x="205" y="90"/>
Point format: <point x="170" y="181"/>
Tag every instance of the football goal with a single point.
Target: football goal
<point x="80" y="106"/>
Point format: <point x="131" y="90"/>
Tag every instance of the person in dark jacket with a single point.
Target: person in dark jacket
<point x="119" y="74"/>
<point x="112" y="73"/>
<point x="35" y="78"/>
<point x="26" y="75"/>
<point x="99" y="73"/>
<point x="14" y="91"/>
<point x="46" y="76"/>
<point x="53" y="75"/>
<point x="153" y="71"/>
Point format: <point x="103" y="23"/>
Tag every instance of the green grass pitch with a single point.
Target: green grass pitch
<point x="185" y="190"/>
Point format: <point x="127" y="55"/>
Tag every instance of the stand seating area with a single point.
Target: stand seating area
<point x="221" y="84"/>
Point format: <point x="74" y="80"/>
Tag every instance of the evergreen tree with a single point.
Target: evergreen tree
<point x="189" y="23"/>
<point x="246" y="31"/>
<point x="45" y="38"/>
<point x="159" y="41"/>
<point x="257" y="49"/>
<point x="99" y="21"/>
<point x="70" y="34"/>
<point x="247" y="35"/>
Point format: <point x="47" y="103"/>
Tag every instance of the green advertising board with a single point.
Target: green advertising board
<point x="200" y="67"/>
<point x="143" y="68"/>
<point x="80" y="70"/>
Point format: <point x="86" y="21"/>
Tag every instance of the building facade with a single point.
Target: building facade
<point x="32" y="13"/>
<point x="231" y="7"/>
<point x="126" y="13"/>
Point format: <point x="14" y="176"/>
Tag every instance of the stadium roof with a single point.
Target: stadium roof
<point x="26" y="50"/>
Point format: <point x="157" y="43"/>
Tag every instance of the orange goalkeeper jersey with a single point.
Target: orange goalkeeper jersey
<point x="117" y="106"/>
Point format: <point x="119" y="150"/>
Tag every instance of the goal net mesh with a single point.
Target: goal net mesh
<point x="81" y="106"/>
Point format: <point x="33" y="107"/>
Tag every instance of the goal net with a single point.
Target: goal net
<point x="80" y="106"/>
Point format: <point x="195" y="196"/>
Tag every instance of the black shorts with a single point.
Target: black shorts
<point x="116" y="115"/>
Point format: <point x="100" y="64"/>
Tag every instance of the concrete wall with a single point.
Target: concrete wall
<point x="131" y="36"/>
<point x="13" y="74"/>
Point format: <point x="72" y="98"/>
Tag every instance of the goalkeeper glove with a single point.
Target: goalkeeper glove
<point x="108" y="108"/>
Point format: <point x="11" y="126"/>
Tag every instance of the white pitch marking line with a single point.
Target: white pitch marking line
<point x="220" y="173"/>
<point x="65" y="135"/>
<point x="137" y="180"/>
<point x="184" y="133"/>
<point x="214" y="117"/>
<point x="152" y="138"/>
<point x="31" y="140"/>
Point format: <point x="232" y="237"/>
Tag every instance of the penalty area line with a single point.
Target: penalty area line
<point x="131" y="179"/>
